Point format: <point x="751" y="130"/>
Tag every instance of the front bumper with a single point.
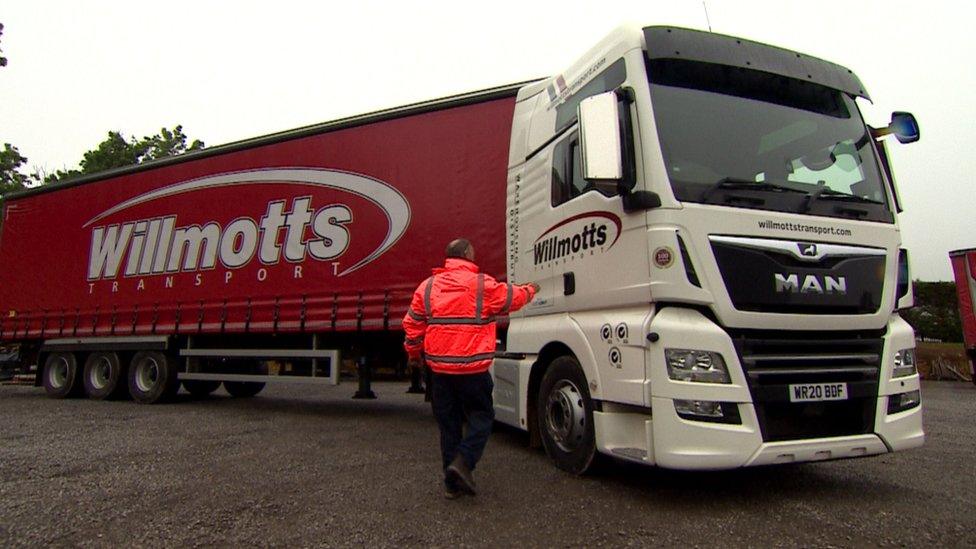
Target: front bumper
<point x="668" y="440"/>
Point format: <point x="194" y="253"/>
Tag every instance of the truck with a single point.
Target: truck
<point x="964" y="271"/>
<point x="712" y="224"/>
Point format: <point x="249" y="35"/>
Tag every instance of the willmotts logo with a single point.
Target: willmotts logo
<point x="158" y="246"/>
<point x="581" y="235"/>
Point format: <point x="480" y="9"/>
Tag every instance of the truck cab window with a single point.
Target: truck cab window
<point x="579" y="185"/>
<point x="611" y="78"/>
<point x="567" y="173"/>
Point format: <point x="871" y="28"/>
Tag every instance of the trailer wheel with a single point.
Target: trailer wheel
<point x="152" y="377"/>
<point x="565" y="415"/>
<point x="200" y="387"/>
<point x="104" y="377"/>
<point x="62" y="378"/>
<point x="243" y="389"/>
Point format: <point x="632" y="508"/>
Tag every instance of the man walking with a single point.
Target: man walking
<point x="451" y="325"/>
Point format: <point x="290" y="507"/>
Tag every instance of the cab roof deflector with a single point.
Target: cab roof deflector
<point x="707" y="47"/>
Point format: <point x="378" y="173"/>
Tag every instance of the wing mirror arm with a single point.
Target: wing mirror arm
<point x="636" y="201"/>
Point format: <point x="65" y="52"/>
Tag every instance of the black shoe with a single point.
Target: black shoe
<point x="451" y="491"/>
<point x="459" y="473"/>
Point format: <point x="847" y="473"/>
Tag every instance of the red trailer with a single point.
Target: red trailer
<point x="964" y="269"/>
<point x="262" y="249"/>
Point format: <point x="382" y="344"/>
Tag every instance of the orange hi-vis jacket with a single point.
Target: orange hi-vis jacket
<point x="451" y="319"/>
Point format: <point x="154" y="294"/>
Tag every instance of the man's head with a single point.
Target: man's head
<point x="460" y="249"/>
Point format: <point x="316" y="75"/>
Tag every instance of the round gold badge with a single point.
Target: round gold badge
<point x="663" y="257"/>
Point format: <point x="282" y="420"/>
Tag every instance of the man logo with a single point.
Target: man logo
<point x="807" y="250"/>
<point x="791" y="283"/>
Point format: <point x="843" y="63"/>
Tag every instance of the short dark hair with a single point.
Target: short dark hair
<point x="458" y="248"/>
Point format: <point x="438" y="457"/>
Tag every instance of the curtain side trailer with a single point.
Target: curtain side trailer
<point x="264" y="260"/>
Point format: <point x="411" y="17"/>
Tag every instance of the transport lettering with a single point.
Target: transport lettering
<point x="169" y="282"/>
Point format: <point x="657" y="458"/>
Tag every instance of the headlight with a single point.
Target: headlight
<point x="693" y="365"/>
<point x="904" y="363"/>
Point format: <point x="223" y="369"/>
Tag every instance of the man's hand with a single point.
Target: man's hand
<point x="535" y="288"/>
<point x="413" y="364"/>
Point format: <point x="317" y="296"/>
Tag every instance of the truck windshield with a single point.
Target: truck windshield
<point x="757" y="140"/>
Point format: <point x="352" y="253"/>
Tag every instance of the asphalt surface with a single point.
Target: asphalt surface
<point x="308" y="466"/>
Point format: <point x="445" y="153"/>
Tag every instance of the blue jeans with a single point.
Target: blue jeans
<point x="458" y="399"/>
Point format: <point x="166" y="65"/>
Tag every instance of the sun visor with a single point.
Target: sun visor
<point x="707" y="47"/>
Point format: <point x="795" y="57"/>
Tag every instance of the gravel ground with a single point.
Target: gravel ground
<point x="308" y="466"/>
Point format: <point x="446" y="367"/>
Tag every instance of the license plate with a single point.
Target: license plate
<point x="817" y="392"/>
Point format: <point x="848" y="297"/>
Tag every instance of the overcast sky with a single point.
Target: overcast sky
<point x="232" y="70"/>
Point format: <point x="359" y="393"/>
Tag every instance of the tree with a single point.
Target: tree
<point x="11" y="177"/>
<point x="936" y="312"/>
<point x="116" y="152"/>
<point x="3" y="60"/>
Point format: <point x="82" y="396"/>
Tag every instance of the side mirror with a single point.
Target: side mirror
<point x="903" y="126"/>
<point x="600" y="137"/>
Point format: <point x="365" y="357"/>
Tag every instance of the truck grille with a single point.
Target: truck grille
<point x="772" y="276"/>
<point x="774" y="360"/>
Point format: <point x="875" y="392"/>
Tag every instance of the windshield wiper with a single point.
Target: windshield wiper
<point x="826" y="193"/>
<point x="837" y="195"/>
<point x="735" y="183"/>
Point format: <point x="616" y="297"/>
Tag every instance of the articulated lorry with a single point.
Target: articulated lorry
<point x="712" y="224"/>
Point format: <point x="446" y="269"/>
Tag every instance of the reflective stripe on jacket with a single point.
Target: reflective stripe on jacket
<point x="452" y="317"/>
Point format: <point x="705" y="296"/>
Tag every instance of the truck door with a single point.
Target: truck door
<point x="598" y="257"/>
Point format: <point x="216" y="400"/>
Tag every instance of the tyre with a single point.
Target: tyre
<point x="565" y="416"/>
<point x="200" y="387"/>
<point x="243" y="389"/>
<point x="104" y="377"/>
<point x="62" y="377"/>
<point x="152" y="377"/>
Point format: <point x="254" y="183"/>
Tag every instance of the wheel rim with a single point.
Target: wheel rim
<point x="58" y="373"/>
<point x="101" y="373"/>
<point x="566" y="416"/>
<point x="147" y="374"/>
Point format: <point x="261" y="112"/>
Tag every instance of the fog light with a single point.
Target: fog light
<point x="904" y="401"/>
<point x="904" y="363"/>
<point x="708" y="410"/>
<point x="694" y="365"/>
<point x="703" y="408"/>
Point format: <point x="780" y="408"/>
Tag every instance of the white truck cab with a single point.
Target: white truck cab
<point x="717" y="245"/>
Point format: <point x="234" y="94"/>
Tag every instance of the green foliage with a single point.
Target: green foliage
<point x="936" y="311"/>
<point x="117" y="152"/>
<point x="11" y="177"/>
<point x="3" y="60"/>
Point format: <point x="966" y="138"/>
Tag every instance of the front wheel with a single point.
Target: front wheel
<point x="565" y="415"/>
